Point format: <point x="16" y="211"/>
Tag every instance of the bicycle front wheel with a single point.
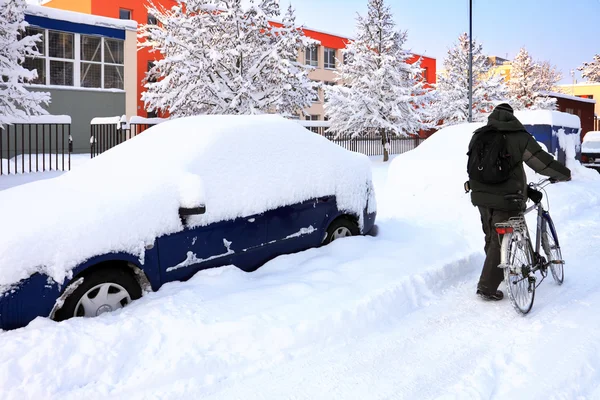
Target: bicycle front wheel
<point x="552" y="250"/>
<point x="517" y="261"/>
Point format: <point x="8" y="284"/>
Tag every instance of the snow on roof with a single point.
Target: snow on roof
<point x="80" y="18"/>
<point x="580" y="84"/>
<point x="39" y="119"/>
<point x="123" y="199"/>
<point x="552" y="118"/>
<point x="567" y="96"/>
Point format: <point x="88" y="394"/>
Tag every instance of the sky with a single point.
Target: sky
<point x="563" y="32"/>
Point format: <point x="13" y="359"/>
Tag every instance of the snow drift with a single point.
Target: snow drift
<point x="125" y="198"/>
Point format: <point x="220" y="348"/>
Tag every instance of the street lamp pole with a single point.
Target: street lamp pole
<point x="470" y="60"/>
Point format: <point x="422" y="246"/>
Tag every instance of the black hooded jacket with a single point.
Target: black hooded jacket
<point x="522" y="148"/>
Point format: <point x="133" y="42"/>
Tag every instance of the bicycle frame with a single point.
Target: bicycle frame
<point x="542" y="218"/>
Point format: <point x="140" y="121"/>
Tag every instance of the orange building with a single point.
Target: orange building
<point x="322" y="58"/>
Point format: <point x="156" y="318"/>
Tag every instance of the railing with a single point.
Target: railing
<point x="36" y="144"/>
<point x="106" y="133"/>
<point x="369" y="143"/>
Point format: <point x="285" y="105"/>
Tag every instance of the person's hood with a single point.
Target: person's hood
<point x="505" y="121"/>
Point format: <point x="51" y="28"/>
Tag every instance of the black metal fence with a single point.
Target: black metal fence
<point x="105" y="136"/>
<point x="35" y="147"/>
<point x="370" y="143"/>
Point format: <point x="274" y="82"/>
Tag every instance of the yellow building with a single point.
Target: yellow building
<point x="585" y="90"/>
<point x="500" y="66"/>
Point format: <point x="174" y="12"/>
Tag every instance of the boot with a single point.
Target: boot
<point x="494" y="297"/>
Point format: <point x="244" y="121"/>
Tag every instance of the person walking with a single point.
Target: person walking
<point x="496" y="153"/>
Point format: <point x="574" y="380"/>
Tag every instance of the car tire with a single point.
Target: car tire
<point x="102" y="290"/>
<point x="341" y="227"/>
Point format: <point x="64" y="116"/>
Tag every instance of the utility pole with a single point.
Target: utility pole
<point x="470" y="60"/>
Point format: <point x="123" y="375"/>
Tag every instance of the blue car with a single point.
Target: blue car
<point x="109" y="280"/>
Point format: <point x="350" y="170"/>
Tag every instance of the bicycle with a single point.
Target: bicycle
<point x="520" y="260"/>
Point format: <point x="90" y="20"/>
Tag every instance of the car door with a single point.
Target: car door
<point x="299" y="226"/>
<point x="184" y="253"/>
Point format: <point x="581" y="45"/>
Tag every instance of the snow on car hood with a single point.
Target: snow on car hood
<point x="125" y="198"/>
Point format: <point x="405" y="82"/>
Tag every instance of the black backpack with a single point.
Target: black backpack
<point x="489" y="160"/>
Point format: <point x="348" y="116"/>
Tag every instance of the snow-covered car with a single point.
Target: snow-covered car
<point x="590" y="150"/>
<point x="186" y="195"/>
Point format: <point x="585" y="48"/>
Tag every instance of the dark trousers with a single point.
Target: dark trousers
<point x="491" y="275"/>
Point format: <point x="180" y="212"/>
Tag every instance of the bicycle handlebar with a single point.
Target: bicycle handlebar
<point x="543" y="183"/>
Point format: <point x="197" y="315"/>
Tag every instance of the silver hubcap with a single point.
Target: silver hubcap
<point x="340" y="233"/>
<point x="102" y="298"/>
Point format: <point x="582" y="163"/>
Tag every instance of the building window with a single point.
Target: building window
<point x="327" y="83"/>
<point x="61" y="52"/>
<point x="152" y="20"/>
<point x="91" y="61"/>
<point x="570" y="110"/>
<point x="329" y="58"/>
<point x="151" y="114"/>
<point x="151" y="77"/>
<point x="37" y="63"/>
<point x="316" y="97"/>
<point x="124" y="14"/>
<point x="96" y="62"/>
<point x="114" y="58"/>
<point x="425" y="73"/>
<point x="312" y="56"/>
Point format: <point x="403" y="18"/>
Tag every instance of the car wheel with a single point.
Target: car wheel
<point x="103" y="290"/>
<point x="340" y="228"/>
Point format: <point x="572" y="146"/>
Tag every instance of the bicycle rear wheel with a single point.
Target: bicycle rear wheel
<point x="552" y="250"/>
<point x="517" y="261"/>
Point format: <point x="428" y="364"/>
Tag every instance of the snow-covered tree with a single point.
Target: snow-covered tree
<point x="379" y="88"/>
<point x="223" y="58"/>
<point x="452" y="89"/>
<point x="549" y="76"/>
<point x="15" y="100"/>
<point x="591" y="70"/>
<point x="526" y="86"/>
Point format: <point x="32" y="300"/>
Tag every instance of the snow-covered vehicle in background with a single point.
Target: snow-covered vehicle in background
<point x="186" y="195"/>
<point x="590" y="150"/>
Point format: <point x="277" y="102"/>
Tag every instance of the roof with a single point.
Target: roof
<point x="569" y="97"/>
<point x="80" y="18"/>
<point x="580" y="84"/>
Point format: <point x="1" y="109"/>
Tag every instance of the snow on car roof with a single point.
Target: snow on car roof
<point x="128" y="196"/>
<point x="592" y="136"/>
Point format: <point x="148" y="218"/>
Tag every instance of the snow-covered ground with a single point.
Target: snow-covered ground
<point x="393" y="316"/>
